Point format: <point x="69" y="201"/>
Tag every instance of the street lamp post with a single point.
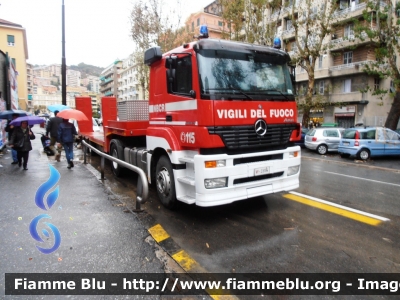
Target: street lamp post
<point x="63" y="63"/>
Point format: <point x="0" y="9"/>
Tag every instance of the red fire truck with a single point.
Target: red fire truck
<point x="219" y="125"/>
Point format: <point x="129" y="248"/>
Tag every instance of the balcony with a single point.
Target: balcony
<point x="350" y="11"/>
<point x="346" y="97"/>
<point x="350" y="40"/>
<point x="288" y="32"/>
<point x="103" y="83"/>
<point x="348" y="69"/>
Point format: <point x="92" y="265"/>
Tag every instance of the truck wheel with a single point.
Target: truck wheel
<point x="117" y="152"/>
<point x="165" y="182"/>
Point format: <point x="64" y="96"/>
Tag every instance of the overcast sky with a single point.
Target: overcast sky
<point x="97" y="31"/>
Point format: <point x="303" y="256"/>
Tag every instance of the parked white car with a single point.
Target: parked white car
<point x="323" y="139"/>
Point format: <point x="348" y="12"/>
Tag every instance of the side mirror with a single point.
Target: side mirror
<point x="192" y="94"/>
<point x="152" y="55"/>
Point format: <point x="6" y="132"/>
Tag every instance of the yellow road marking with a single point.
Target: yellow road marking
<point x="158" y="233"/>
<point x="336" y="210"/>
<point x="220" y="297"/>
<point x="185" y="261"/>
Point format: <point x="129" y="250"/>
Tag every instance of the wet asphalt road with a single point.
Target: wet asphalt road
<point x="275" y="234"/>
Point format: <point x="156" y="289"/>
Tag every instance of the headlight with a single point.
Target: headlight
<point x="215" y="163"/>
<point x="293" y="170"/>
<point x="215" y="183"/>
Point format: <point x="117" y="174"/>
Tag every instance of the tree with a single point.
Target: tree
<point x="385" y="36"/>
<point x="153" y="23"/>
<point x="233" y="15"/>
<point x="255" y="22"/>
<point x="313" y="23"/>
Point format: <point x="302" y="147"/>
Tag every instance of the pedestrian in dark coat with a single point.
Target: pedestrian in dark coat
<point x="52" y="128"/>
<point x="10" y="130"/>
<point x="66" y="136"/>
<point x="21" y="141"/>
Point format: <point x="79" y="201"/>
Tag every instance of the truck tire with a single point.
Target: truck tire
<point x="165" y="183"/>
<point x="116" y="151"/>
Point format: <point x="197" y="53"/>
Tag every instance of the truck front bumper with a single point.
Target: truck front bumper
<point x="246" y="176"/>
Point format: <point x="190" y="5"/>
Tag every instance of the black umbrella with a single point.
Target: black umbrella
<point x="7" y="114"/>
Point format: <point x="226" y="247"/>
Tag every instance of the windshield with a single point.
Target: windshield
<point x="231" y="75"/>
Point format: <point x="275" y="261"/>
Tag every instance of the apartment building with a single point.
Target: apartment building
<point x="41" y="101"/>
<point x="127" y="84"/>
<point x="29" y="74"/>
<point x="210" y="16"/>
<point x="92" y="82"/>
<point x="13" y="42"/>
<point x="339" y="72"/>
<point x="73" y="77"/>
<point x="109" y="79"/>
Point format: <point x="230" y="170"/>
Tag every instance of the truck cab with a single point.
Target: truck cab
<point x="227" y="113"/>
<point x="219" y="126"/>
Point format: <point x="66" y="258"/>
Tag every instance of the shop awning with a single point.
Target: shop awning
<point x="344" y="115"/>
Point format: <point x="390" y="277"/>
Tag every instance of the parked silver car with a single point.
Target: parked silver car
<point x="323" y="139"/>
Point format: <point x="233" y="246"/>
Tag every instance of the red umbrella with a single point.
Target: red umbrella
<point x="72" y="114"/>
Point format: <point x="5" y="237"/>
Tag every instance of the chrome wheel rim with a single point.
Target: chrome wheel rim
<point x="364" y="155"/>
<point x="115" y="154"/>
<point x="164" y="182"/>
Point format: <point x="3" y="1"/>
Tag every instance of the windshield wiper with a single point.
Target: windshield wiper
<point x="231" y="89"/>
<point x="274" y="90"/>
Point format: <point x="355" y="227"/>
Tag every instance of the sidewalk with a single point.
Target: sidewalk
<point x="97" y="236"/>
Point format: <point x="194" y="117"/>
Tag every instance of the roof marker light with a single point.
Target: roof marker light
<point x="203" y="32"/>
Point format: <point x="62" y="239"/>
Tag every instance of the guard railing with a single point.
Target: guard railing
<point x="142" y="188"/>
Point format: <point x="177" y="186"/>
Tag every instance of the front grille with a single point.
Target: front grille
<point x="242" y="137"/>
<point x="246" y="160"/>
<point x="257" y="178"/>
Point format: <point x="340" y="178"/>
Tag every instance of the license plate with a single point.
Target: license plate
<point x="346" y="143"/>
<point x="261" y="171"/>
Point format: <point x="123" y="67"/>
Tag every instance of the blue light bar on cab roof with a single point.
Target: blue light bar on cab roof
<point x="203" y="31"/>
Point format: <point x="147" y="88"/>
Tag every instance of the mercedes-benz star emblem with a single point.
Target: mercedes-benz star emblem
<point x="260" y="127"/>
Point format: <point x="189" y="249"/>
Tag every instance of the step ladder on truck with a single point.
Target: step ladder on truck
<point x="219" y="126"/>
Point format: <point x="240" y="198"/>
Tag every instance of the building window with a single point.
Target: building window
<point x="192" y="26"/>
<point x="347" y="86"/>
<point x="289" y="24"/>
<point x="348" y="58"/>
<point x="377" y="82"/>
<point x="349" y="31"/>
<point x="320" y="62"/>
<point x="294" y="46"/>
<point x="14" y="62"/>
<point x="10" y="40"/>
<point x="321" y="86"/>
<point x="220" y="23"/>
<point x="392" y="89"/>
<point x="198" y="22"/>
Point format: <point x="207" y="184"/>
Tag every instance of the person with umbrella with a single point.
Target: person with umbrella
<point x="66" y="133"/>
<point x="10" y="129"/>
<point x="21" y="142"/>
<point x="52" y="128"/>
